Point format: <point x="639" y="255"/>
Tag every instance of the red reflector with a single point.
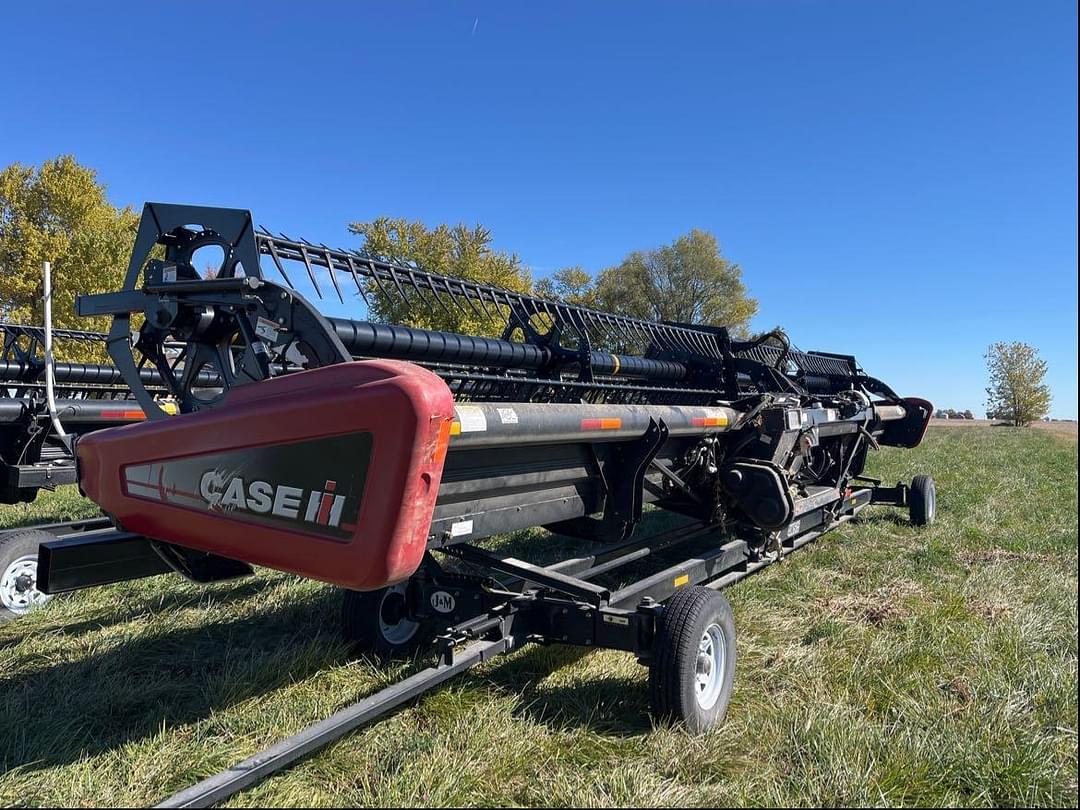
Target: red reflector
<point x="123" y="415"/>
<point x="610" y="423"/>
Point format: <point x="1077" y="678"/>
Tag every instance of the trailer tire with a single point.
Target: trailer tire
<point x="18" y="572"/>
<point x="922" y="500"/>
<point x="693" y="665"/>
<point x="375" y="622"/>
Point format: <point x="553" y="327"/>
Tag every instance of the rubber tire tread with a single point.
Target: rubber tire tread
<point x="675" y="652"/>
<point x="15" y="543"/>
<point x="356" y="624"/>
<point x="359" y="624"/>
<point x="921" y="494"/>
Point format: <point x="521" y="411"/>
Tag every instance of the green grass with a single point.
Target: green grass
<point x="50" y="507"/>
<point x="883" y="665"/>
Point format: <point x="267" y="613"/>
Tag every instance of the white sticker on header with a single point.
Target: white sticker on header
<point x="460" y="528"/>
<point x="508" y="416"/>
<point x="266" y="329"/>
<point x="472" y="419"/>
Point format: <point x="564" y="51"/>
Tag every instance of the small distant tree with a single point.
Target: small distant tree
<point x="968" y="414"/>
<point x="951" y="413"/>
<point x="1017" y="392"/>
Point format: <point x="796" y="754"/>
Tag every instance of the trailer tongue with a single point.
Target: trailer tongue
<point x="376" y="456"/>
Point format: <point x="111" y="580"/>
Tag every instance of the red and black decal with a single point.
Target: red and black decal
<point x="314" y="485"/>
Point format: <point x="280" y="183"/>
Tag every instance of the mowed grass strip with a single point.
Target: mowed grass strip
<point x="882" y="665"/>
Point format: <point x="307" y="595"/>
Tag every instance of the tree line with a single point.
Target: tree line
<point x="952" y="413"/>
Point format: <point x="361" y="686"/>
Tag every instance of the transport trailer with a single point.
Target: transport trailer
<point x="379" y="458"/>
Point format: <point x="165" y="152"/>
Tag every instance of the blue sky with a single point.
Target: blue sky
<point x="897" y="179"/>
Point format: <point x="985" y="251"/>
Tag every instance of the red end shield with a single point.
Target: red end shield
<point x="330" y="473"/>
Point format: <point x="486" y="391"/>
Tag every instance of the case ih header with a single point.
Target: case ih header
<point x="375" y="456"/>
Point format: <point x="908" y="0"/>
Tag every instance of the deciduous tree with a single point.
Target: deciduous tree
<point x="58" y="212"/>
<point x="688" y="281"/>
<point x="1017" y="392"/>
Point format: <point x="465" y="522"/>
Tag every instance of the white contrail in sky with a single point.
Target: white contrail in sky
<point x="474" y="24"/>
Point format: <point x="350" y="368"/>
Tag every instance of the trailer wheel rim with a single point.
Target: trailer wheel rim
<point x="393" y="627"/>
<point x="711" y="666"/>
<point x="18" y="585"/>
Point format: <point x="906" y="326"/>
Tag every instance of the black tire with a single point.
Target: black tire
<point x="922" y="500"/>
<point x="375" y="621"/>
<point x="18" y="572"/>
<point x="680" y="656"/>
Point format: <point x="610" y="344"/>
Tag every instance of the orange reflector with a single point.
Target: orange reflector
<point x="442" y="444"/>
<point x="609" y="423"/>
<point x="123" y="415"/>
<point x="709" y="421"/>
<point x="681" y="580"/>
<point x="455" y="428"/>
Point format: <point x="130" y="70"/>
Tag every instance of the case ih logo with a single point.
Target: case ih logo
<point x="326" y="483"/>
<point x="322" y="508"/>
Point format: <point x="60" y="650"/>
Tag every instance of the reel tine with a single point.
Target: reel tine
<point x="550" y="322"/>
<point x="332" y="271"/>
<point x="420" y="293"/>
<point x="483" y="304"/>
<point x="375" y="277"/>
<point x="435" y="292"/>
<point x="310" y="272"/>
<point x="393" y="273"/>
<point x="466" y="296"/>
<point x="277" y="260"/>
<point x="356" y="280"/>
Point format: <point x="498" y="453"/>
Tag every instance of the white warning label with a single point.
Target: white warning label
<point x="462" y="527"/>
<point x="472" y="419"/>
<point x="266" y="329"/>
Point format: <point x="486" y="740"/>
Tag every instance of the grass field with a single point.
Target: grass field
<point x="882" y="665"/>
